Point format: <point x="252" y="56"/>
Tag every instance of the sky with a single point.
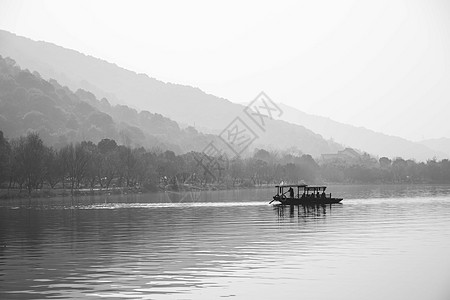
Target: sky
<point x="383" y="65"/>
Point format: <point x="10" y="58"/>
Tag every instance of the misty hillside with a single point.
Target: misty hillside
<point x="442" y="145"/>
<point x="182" y="104"/>
<point x="362" y="138"/>
<point x="30" y="103"/>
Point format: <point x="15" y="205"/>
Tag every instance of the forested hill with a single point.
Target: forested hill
<point x="363" y="138"/>
<point x="60" y="116"/>
<point x="183" y="104"/>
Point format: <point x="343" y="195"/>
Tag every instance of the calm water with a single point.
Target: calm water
<point x="383" y="242"/>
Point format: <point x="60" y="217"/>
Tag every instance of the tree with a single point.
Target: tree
<point x="262" y="154"/>
<point x="16" y="172"/>
<point x="385" y="162"/>
<point x="292" y="172"/>
<point x="95" y="160"/>
<point x="128" y="165"/>
<point x="106" y="145"/>
<point x="108" y="163"/>
<point x="399" y="169"/>
<point x="54" y="167"/>
<point x="76" y="161"/>
<point x="237" y="170"/>
<point x="30" y="153"/>
<point x="308" y="168"/>
<point x="5" y="153"/>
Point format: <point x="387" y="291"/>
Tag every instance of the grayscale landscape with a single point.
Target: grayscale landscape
<point x="201" y="150"/>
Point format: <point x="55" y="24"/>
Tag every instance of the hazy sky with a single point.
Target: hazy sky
<point x="384" y="65"/>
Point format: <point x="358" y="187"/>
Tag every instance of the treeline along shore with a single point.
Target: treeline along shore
<point x="30" y="168"/>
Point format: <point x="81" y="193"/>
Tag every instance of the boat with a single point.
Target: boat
<point x="302" y="194"/>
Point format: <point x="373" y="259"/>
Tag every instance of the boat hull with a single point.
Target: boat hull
<point x="308" y="201"/>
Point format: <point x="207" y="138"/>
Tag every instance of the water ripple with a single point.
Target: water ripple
<point x="228" y="246"/>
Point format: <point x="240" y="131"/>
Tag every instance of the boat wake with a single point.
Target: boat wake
<point x="169" y="205"/>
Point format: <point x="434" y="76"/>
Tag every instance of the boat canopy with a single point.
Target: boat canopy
<point x="305" y="186"/>
<point x="291" y="185"/>
<point x="306" y="189"/>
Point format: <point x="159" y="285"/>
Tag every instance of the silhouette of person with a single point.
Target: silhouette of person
<point x="291" y="192"/>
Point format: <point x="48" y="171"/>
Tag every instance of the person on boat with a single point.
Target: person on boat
<point x="291" y="192"/>
<point x="323" y="194"/>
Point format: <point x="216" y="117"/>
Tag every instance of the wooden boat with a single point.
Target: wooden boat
<point x="302" y="194"/>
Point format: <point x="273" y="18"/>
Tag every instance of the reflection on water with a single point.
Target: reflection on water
<point x="380" y="243"/>
<point x="303" y="210"/>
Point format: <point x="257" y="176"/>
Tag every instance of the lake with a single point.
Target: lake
<point x="382" y="242"/>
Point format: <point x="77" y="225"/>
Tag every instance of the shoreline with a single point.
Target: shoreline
<point x="12" y="194"/>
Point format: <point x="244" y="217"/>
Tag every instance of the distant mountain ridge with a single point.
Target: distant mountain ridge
<point x="364" y="139"/>
<point x="30" y="103"/>
<point x="182" y="104"/>
<point x="441" y="144"/>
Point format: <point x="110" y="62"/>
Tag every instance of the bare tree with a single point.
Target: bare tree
<point x="54" y="167"/>
<point x="76" y="160"/>
<point x="28" y="165"/>
<point x="5" y="153"/>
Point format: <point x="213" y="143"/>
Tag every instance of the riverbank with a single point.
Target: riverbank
<point x="6" y="194"/>
<point x="60" y="192"/>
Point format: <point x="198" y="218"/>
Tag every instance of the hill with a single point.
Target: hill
<point x="442" y="145"/>
<point x="60" y="116"/>
<point x="183" y="104"/>
<point x="363" y="138"/>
